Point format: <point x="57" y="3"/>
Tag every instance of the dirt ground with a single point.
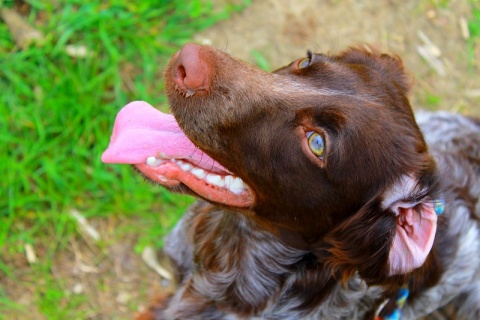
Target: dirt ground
<point x="281" y="31"/>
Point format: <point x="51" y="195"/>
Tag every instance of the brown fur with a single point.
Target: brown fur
<point x="326" y="215"/>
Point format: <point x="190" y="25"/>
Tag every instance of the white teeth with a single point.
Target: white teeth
<point x="186" y="167"/>
<point x="237" y="186"/>
<point x="153" y="162"/>
<point x="234" y="184"/>
<point x="199" y="173"/>
<point x="150" y="161"/>
<point x="228" y="181"/>
<point x="213" y="179"/>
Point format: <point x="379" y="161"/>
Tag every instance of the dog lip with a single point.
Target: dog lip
<point x="169" y="173"/>
<point x="154" y="143"/>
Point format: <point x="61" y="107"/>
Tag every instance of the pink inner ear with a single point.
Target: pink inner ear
<point x="413" y="240"/>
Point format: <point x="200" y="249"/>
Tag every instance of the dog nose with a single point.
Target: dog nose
<point x="191" y="70"/>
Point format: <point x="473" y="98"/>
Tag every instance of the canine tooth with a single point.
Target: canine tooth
<point x="153" y="162"/>
<point x="239" y="182"/>
<point x="189" y="93"/>
<point x="199" y="173"/>
<point x="237" y="186"/>
<point x="213" y="179"/>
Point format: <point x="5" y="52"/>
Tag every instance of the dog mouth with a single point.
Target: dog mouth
<point x="155" y="145"/>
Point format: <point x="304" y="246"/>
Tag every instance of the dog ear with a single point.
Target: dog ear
<point x="391" y="235"/>
<point x="415" y="227"/>
<point x="388" y="65"/>
<point x="362" y="244"/>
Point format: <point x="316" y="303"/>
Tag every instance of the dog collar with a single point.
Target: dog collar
<point x="392" y="310"/>
<point x="439" y="206"/>
<point x="398" y="303"/>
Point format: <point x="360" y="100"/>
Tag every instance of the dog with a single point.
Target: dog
<point x="321" y="196"/>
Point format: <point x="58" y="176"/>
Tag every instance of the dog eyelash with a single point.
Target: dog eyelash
<point x="309" y="54"/>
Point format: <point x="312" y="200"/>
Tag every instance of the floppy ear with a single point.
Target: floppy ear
<point x="415" y="228"/>
<point x="391" y="235"/>
<point x="390" y="66"/>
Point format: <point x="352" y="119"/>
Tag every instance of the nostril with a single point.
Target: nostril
<point x="181" y="73"/>
<point x="191" y="70"/>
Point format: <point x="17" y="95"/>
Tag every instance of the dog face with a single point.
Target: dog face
<point x="328" y="147"/>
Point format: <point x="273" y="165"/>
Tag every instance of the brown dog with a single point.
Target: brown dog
<point x="320" y="194"/>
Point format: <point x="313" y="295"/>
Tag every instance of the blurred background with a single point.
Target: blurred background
<point x="74" y="231"/>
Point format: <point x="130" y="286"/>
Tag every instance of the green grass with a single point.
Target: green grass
<point x="260" y="60"/>
<point x="56" y="114"/>
<point x="474" y="29"/>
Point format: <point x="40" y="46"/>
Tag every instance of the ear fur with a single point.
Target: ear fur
<point x="362" y="243"/>
<point x="388" y="238"/>
<point x="389" y="66"/>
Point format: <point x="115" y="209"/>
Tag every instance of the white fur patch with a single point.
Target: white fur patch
<point x="397" y="194"/>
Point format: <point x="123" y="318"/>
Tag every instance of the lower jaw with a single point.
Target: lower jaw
<point x="170" y="175"/>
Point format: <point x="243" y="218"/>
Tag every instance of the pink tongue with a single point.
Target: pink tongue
<point x="141" y="131"/>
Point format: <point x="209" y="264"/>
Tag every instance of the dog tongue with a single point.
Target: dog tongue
<point x="141" y="131"/>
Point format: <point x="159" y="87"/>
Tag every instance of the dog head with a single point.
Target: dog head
<point x="328" y="147"/>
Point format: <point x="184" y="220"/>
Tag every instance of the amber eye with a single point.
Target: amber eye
<point x="303" y="63"/>
<point x="316" y="143"/>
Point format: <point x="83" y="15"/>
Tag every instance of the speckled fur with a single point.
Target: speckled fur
<point x="454" y="140"/>
<point x="304" y="250"/>
<point x="347" y="301"/>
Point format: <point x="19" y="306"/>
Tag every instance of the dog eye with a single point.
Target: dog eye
<point x="303" y="63"/>
<point x="316" y="143"/>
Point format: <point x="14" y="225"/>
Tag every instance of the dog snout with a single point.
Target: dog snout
<point x="191" y="70"/>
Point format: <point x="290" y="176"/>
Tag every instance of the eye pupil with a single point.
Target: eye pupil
<point x="316" y="143"/>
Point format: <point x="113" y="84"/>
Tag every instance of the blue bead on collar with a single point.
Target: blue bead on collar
<point x="402" y="294"/>
<point x="400" y="300"/>
<point x="439" y="206"/>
